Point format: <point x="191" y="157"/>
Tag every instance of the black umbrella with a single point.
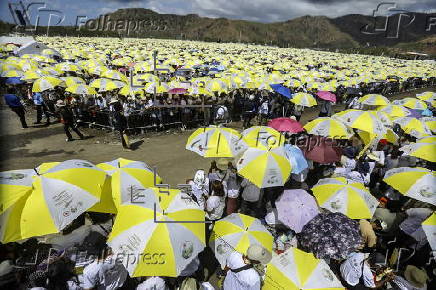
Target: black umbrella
<point x="330" y="235"/>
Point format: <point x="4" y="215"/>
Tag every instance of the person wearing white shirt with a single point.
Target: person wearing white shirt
<point x="153" y="283"/>
<point x="247" y="279"/>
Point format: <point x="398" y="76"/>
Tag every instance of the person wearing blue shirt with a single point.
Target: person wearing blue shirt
<point x="40" y="108"/>
<point x="16" y="106"/>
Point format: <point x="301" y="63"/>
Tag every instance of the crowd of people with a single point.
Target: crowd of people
<point x="390" y="250"/>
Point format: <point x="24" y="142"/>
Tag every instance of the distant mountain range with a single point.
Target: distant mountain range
<point x="349" y="31"/>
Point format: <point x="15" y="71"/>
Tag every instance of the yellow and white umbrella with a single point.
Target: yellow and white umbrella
<point x="216" y="142"/>
<point x="161" y="241"/>
<point x="426" y="151"/>
<point x="237" y="232"/>
<point x="129" y="91"/>
<point x="71" y="81"/>
<point x="430" y="122"/>
<point x="413" y="126"/>
<point x="428" y="139"/>
<point x="114" y="74"/>
<point x="374" y="100"/>
<point x="418" y="183"/>
<point x="328" y="127"/>
<point x="429" y="227"/>
<point x="345" y="196"/>
<point x="46" y="83"/>
<point x="129" y="179"/>
<point x="61" y="192"/>
<point x="15" y="187"/>
<point x="12" y="74"/>
<point x="303" y="99"/>
<point x="106" y="84"/>
<point x="263" y="137"/>
<point x="265" y="168"/>
<point x="394" y="110"/>
<point x="427" y="96"/>
<point x="295" y="269"/>
<point x="364" y="120"/>
<point x="67" y="66"/>
<point x="81" y="89"/>
<point x="411" y="103"/>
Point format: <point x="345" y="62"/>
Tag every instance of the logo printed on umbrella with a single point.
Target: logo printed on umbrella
<point x="187" y="249"/>
<point x="13" y="176"/>
<point x="426" y="191"/>
<point x="328" y="274"/>
<point x="84" y="164"/>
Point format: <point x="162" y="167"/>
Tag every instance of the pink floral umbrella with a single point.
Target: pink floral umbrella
<point x="325" y="95"/>
<point x="286" y="125"/>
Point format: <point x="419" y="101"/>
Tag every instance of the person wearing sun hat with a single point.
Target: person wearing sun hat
<point x="414" y="279"/>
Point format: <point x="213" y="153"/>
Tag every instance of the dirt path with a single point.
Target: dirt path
<point x="28" y="148"/>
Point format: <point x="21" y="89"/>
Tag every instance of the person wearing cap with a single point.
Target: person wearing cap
<point x="241" y="274"/>
<point x="414" y="279"/>
<point x="67" y="118"/>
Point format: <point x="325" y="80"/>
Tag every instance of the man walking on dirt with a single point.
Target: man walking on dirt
<point x="14" y="102"/>
<point x="67" y="118"/>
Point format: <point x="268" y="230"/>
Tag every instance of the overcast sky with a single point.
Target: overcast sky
<point x="254" y="10"/>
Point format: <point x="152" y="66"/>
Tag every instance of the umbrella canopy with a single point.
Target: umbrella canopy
<point x="374" y="100"/>
<point x="413" y="126"/>
<point x="364" y="120"/>
<point x="72" y="81"/>
<point x="428" y="139"/>
<point x="237" y="232"/>
<point x="411" y="103"/>
<point x="394" y="110"/>
<point x="424" y="151"/>
<point x="81" y="89"/>
<point x="330" y="236"/>
<point x="328" y="127"/>
<point x="265" y="168"/>
<point x="263" y="137"/>
<point x="106" y="84"/>
<point x="128" y="90"/>
<point x="286" y="125"/>
<point x="429" y="227"/>
<point x="295" y="270"/>
<point x="345" y="196"/>
<point x="321" y="149"/>
<point x="303" y="99"/>
<point x="46" y="83"/>
<point x="296" y="157"/>
<point x="61" y="192"/>
<point x="296" y="208"/>
<point x="157" y="242"/>
<point x="15" y="187"/>
<point x="418" y="183"/>
<point x="13" y="81"/>
<point x="427" y="96"/>
<point x="390" y="136"/>
<point x="129" y="179"/>
<point x="282" y="90"/>
<point x="328" y="96"/>
<point x="216" y="142"/>
<point x="114" y="74"/>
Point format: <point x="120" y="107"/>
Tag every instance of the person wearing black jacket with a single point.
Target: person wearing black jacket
<point x="120" y="122"/>
<point x="67" y="118"/>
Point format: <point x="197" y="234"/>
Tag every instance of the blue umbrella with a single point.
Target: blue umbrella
<point x="284" y="91"/>
<point x="13" y="81"/>
<point x="296" y="157"/>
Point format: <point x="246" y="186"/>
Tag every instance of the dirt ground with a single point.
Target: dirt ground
<point x="27" y="148"/>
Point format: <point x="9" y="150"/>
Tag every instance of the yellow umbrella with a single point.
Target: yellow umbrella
<point x="374" y="100"/>
<point x="424" y="151"/>
<point x="263" y="137"/>
<point x="303" y="99"/>
<point x="413" y="126"/>
<point x="237" y="232"/>
<point x="265" y="168"/>
<point x="328" y="127"/>
<point x="15" y="187"/>
<point x="81" y="89"/>
<point x="412" y="103"/>
<point x="61" y="192"/>
<point x="46" y="83"/>
<point x="158" y="241"/>
<point x="297" y="270"/>
<point x="394" y="110"/>
<point x="345" y="196"/>
<point x="418" y="183"/>
<point x="216" y="142"/>
<point x="429" y="227"/>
